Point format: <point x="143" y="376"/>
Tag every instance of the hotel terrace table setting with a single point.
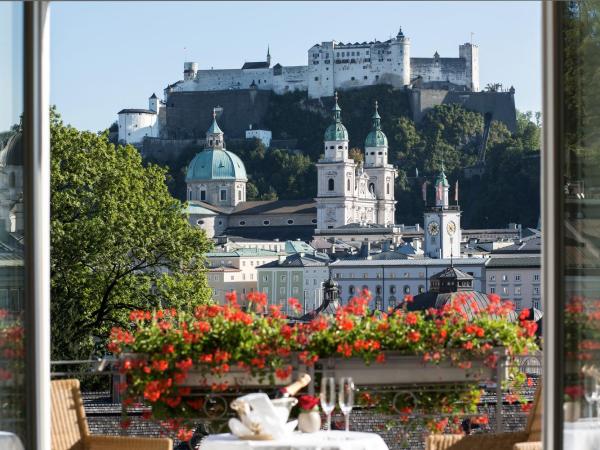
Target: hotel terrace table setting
<point x="321" y="440"/>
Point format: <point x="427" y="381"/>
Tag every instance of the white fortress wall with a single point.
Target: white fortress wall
<point x="440" y="69"/>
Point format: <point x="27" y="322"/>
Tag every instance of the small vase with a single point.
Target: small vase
<point x="309" y="421"/>
<point x="572" y="411"/>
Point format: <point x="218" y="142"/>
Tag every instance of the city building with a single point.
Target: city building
<point x="389" y="280"/>
<point x="301" y="275"/>
<point x="235" y="270"/>
<point x="516" y="277"/>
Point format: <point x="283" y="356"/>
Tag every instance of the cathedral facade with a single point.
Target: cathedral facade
<point x="354" y="192"/>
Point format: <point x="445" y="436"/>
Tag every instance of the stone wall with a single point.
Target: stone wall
<point x="189" y="114"/>
<point x="501" y="105"/>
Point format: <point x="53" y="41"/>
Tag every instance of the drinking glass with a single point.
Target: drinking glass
<point x="590" y="392"/>
<point x="328" y="398"/>
<point x="346" y="398"/>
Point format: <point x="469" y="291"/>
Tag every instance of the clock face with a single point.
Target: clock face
<point x="451" y="228"/>
<point x="433" y="228"/>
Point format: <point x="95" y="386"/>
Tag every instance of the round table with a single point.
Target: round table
<point x="329" y="440"/>
<point x="582" y="435"/>
<point x="10" y="441"/>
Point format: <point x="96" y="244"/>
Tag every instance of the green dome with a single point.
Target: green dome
<point x="336" y="131"/>
<point x="376" y="137"/>
<point x="216" y="164"/>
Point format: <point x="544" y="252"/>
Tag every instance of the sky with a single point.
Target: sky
<point x="106" y="56"/>
<point x="11" y="63"/>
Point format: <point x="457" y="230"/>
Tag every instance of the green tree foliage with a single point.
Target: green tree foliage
<point x="119" y="241"/>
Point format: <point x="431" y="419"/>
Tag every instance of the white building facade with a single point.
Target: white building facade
<point x="333" y="66"/>
<point x="136" y="124"/>
<point x="350" y="192"/>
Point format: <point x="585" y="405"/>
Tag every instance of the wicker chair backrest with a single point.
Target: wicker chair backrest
<point x="69" y="425"/>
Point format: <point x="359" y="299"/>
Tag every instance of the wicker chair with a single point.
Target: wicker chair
<point x="530" y="439"/>
<point x="70" y="429"/>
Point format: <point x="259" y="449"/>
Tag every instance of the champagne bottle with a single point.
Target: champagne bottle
<point x="292" y="389"/>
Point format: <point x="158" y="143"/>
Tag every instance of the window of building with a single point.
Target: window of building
<point x="223" y="195"/>
<point x="492" y="277"/>
<point x="492" y="289"/>
<point x="421" y="289"/>
<point x="202" y="194"/>
<point x="504" y="277"/>
<point x="536" y="277"/>
<point x="365" y="77"/>
<point x="240" y="195"/>
<point x="517" y="290"/>
<point x="314" y="220"/>
<point x="536" y="291"/>
<point x="352" y="78"/>
<point x="283" y="277"/>
<point x="517" y="277"/>
<point x="406" y="274"/>
<point x="351" y="290"/>
<point x="316" y="78"/>
<point x="266" y="222"/>
<point x="290" y="221"/>
<point x="200" y="222"/>
<point x="387" y="188"/>
<point x="330" y="184"/>
<point x="406" y="289"/>
<point x="504" y="290"/>
<point x="242" y="222"/>
<point x="392" y="289"/>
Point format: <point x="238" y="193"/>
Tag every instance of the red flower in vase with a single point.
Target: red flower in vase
<point x="308" y="402"/>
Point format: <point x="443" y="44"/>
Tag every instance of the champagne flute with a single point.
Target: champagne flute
<point x="328" y="398"/>
<point x="346" y="398"/>
<point x="590" y="392"/>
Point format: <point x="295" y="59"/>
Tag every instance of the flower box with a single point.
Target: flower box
<point x="235" y="377"/>
<point x="404" y="369"/>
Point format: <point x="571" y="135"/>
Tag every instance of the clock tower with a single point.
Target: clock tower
<point x="442" y="223"/>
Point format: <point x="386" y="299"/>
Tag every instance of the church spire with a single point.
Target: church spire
<point x="376" y="118"/>
<point x="337" y="111"/>
<point x="269" y="55"/>
<point x="214" y="134"/>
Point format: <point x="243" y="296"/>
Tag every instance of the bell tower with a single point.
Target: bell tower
<point x="336" y="175"/>
<point x="443" y="234"/>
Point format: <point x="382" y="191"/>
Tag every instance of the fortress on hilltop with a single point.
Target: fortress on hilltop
<point x="244" y="96"/>
<point x="335" y="66"/>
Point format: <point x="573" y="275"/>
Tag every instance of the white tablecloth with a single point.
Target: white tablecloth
<point x="322" y="440"/>
<point x="582" y="435"/>
<point x="9" y="441"/>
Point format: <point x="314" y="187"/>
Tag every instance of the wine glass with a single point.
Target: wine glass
<point x="328" y="398"/>
<point x="590" y="392"/>
<point x="346" y="398"/>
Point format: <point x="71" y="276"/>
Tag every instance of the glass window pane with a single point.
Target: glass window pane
<point x="580" y="147"/>
<point x="12" y="400"/>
